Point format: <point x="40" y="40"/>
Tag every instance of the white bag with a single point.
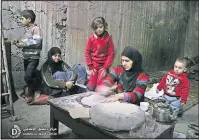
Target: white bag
<point x="151" y="94"/>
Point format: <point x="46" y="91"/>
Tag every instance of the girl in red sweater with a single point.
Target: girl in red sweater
<point x="175" y="84"/>
<point x="99" y="52"/>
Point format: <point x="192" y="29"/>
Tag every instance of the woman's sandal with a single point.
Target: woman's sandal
<point x="23" y="95"/>
<point x="40" y="100"/>
<point x="28" y="100"/>
<point x="194" y="127"/>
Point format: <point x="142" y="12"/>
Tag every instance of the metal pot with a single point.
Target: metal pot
<point x="162" y="112"/>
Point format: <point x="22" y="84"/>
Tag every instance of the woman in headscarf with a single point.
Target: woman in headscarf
<point x="128" y="80"/>
<point x="56" y="74"/>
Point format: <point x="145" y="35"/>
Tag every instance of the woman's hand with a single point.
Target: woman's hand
<point x="103" y="72"/>
<point x="69" y="84"/>
<point x="15" y="42"/>
<point x="182" y="104"/>
<point x="113" y="98"/>
<point x="20" y="44"/>
<point x="92" y="71"/>
<point x="113" y="88"/>
<point x="104" y="91"/>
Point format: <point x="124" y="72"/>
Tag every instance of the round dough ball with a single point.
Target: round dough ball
<point x="117" y="116"/>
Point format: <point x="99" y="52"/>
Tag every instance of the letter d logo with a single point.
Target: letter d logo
<point x="14" y="131"/>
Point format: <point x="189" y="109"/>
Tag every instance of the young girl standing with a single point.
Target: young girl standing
<point x="99" y="52"/>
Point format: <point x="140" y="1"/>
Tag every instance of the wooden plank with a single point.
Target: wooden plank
<point x="5" y="62"/>
<point x="3" y="72"/>
<point x="4" y="94"/>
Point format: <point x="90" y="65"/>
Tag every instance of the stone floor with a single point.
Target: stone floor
<point x="189" y="117"/>
<point x="35" y="116"/>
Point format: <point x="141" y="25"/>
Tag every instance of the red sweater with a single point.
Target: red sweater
<point x="99" y="52"/>
<point x="175" y="85"/>
<point x="136" y="94"/>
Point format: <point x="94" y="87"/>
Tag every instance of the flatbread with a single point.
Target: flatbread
<point x="92" y="100"/>
<point x="79" y="112"/>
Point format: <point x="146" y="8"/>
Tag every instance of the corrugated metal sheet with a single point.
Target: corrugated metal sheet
<point x="158" y="28"/>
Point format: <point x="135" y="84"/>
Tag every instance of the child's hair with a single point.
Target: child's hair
<point x="98" y="20"/>
<point x="29" y="14"/>
<point x="186" y="61"/>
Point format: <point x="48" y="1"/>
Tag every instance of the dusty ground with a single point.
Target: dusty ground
<point x="39" y="116"/>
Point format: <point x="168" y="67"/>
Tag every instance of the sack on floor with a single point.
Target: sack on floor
<point x="82" y="73"/>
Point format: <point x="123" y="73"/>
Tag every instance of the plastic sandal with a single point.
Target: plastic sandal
<point x="40" y="100"/>
<point x="194" y="126"/>
<point x="192" y="134"/>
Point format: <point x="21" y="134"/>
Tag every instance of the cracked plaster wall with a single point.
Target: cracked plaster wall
<point x="162" y="30"/>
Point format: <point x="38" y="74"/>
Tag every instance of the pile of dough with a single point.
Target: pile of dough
<point x="117" y="116"/>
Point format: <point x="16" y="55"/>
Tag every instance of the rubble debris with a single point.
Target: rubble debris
<point x="193" y="72"/>
<point x="14" y="118"/>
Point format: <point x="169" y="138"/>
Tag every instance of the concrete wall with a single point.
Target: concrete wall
<point x="191" y="42"/>
<point x="162" y="30"/>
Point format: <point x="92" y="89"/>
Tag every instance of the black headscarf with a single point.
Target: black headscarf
<point x="55" y="66"/>
<point x="129" y="77"/>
